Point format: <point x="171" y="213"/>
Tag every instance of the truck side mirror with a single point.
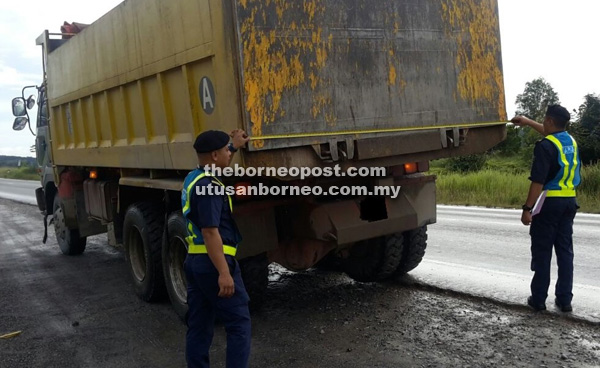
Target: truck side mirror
<point x="30" y="102"/>
<point x="18" y="107"/>
<point x="20" y="123"/>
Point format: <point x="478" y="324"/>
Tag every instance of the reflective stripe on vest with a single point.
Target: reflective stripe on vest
<point x="194" y="248"/>
<point x="567" y="177"/>
<point x="201" y="249"/>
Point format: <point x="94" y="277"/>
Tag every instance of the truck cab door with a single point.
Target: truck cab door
<point x="43" y="153"/>
<point x="42" y="143"/>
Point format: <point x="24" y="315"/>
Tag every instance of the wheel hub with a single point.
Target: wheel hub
<point x="60" y="226"/>
<point x="137" y="255"/>
<point x="177" y="253"/>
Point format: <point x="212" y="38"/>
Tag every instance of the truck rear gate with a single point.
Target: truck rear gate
<point x="320" y="69"/>
<point x="134" y="88"/>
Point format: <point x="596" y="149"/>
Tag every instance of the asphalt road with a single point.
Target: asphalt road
<point x="478" y="251"/>
<point x="485" y="252"/>
<point x="19" y="190"/>
<point x="82" y="312"/>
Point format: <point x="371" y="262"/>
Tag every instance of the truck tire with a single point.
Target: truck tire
<point x="69" y="241"/>
<point x="255" y="273"/>
<point x="142" y="239"/>
<point x="415" y="242"/>
<point x="174" y="252"/>
<point x="331" y="262"/>
<point x="374" y="259"/>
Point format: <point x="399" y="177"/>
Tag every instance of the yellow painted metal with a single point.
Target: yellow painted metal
<point x="375" y="131"/>
<point x="125" y="92"/>
<point x="316" y="68"/>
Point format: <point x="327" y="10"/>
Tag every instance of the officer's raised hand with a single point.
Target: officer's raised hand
<point x="239" y="138"/>
<point x="520" y="121"/>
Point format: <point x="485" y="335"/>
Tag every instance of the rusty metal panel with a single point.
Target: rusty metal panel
<point x="128" y="90"/>
<point x="413" y="208"/>
<point x="317" y="68"/>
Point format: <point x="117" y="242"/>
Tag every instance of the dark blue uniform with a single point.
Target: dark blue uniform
<point x="556" y="165"/>
<point x="204" y="211"/>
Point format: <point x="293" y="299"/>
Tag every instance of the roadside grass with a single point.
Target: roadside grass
<point x="21" y="173"/>
<point x="485" y="188"/>
<point x="588" y="194"/>
<point x="503" y="183"/>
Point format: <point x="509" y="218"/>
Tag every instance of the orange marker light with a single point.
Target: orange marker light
<point x="93" y="174"/>
<point x="242" y="189"/>
<point x="410" y="168"/>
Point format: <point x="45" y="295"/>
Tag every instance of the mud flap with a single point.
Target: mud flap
<point x="45" y="228"/>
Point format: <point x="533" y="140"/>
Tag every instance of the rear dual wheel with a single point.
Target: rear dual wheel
<point x="415" y="243"/>
<point x="392" y="255"/>
<point x="142" y="238"/>
<point x="255" y="270"/>
<point x="374" y="259"/>
<point x="173" y="256"/>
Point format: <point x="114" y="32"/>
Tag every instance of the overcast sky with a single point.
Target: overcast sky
<point x="553" y="39"/>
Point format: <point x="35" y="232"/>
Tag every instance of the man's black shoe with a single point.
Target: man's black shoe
<point x="563" y="307"/>
<point x="536" y="307"/>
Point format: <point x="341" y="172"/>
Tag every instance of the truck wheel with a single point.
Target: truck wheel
<point x="68" y="240"/>
<point x="173" y="255"/>
<point x="415" y="242"/>
<point x="331" y="262"/>
<point x="255" y="273"/>
<point x="374" y="259"/>
<point x="142" y="238"/>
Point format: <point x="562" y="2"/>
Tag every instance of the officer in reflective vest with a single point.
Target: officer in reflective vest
<point x="555" y="175"/>
<point x="214" y="283"/>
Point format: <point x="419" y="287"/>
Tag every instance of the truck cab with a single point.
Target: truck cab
<point x="45" y="194"/>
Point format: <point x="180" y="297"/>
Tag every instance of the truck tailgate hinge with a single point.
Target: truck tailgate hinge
<point x="453" y="137"/>
<point x="335" y="150"/>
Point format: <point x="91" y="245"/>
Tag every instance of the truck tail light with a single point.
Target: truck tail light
<point x="411" y="168"/>
<point x="239" y="194"/>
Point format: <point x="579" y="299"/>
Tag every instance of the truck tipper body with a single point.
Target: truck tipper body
<point x="315" y="83"/>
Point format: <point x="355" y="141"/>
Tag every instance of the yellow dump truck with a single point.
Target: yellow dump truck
<point x="315" y="83"/>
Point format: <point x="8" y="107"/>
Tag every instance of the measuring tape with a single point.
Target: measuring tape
<point x="372" y="131"/>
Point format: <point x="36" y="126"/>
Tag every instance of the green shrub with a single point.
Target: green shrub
<point x="22" y="173"/>
<point x="507" y="188"/>
<point x="485" y="188"/>
<point x="588" y="193"/>
<point x="466" y="164"/>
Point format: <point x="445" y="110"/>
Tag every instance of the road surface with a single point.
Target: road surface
<point x="478" y="251"/>
<point x="81" y="311"/>
<point x="22" y="191"/>
<point x="485" y="252"/>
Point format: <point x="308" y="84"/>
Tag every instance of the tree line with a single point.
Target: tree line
<point x="14" y="161"/>
<point x="520" y="141"/>
<point x="533" y="102"/>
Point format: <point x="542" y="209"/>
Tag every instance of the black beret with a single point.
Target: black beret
<point x="211" y="140"/>
<point x="559" y="112"/>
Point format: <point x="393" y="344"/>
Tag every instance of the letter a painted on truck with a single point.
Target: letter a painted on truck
<point x="207" y="95"/>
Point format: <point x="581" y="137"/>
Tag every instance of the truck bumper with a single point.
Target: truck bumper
<point x="414" y="207"/>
